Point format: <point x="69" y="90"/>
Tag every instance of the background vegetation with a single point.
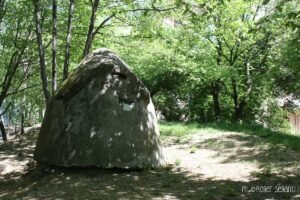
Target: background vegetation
<point x="203" y="61"/>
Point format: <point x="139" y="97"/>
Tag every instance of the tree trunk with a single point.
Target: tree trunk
<point x="238" y="104"/>
<point x="54" y="45"/>
<point x="32" y="122"/>
<point x="41" y="50"/>
<point x="215" y="86"/>
<point x="234" y="93"/>
<point x="239" y="112"/>
<point x="89" y="37"/>
<point x="2" y="128"/>
<point x="2" y="10"/>
<point x="215" y="91"/>
<point x="22" y="123"/>
<point x="68" y="41"/>
<point x="23" y="114"/>
<point x="216" y="105"/>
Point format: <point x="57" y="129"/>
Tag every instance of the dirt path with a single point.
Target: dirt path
<point x="219" y="165"/>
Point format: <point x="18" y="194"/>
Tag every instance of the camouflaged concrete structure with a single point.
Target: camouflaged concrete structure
<point x="101" y="116"/>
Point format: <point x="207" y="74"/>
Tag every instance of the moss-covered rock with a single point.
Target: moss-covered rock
<point x="101" y="116"/>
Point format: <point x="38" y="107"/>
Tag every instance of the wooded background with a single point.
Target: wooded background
<point x="204" y="61"/>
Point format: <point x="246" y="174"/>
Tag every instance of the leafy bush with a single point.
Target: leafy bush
<point x="273" y="116"/>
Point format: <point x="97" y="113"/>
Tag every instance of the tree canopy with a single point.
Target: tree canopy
<point x="201" y="60"/>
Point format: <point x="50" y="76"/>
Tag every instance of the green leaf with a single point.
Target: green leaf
<point x="279" y="8"/>
<point x="178" y="3"/>
<point x="145" y="13"/>
<point x="265" y="2"/>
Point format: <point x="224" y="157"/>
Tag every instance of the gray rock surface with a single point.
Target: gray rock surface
<point x="101" y="116"/>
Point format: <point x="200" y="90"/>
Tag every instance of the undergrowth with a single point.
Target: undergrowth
<point x="185" y="129"/>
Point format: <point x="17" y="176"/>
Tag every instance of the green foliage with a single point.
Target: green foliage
<point x="193" y="149"/>
<point x="177" y="129"/>
<point x="273" y="137"/>
<point x="274" y="117"/>
<point x="183" y="64"/>
<point x="177" y="162"/>
<point x="195" y="57"/>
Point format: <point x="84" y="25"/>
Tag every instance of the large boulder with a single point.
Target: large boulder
<point x="101" y="116"/>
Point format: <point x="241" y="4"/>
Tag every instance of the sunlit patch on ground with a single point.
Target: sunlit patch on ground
<point x="211" y="165"/>
<point x="10" y="164"/>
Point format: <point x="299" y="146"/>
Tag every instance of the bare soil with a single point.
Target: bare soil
<point x="219" y="165"/>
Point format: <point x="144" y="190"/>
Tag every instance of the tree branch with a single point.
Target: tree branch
<point x="6" y="109"/>
<point x="103" y="23"/>
<point x="151" y="9"/>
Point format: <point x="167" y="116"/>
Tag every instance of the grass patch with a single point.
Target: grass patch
<point x="177" y="129"/>
<point x="193" y="149"/>
<point x="273" y="137"/>
<point x="182" y="129"/>
<point x="177" y="162"/>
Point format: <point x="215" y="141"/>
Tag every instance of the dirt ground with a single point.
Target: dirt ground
<point x="219" y="165"/>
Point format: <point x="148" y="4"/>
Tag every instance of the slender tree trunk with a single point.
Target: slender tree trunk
<point x="89" y="37"/>
<point x="238" y="106"/>
<point x="234" y="93"/>
<point x="22" y="123"/>
<point x="23" y="114"/>
<point x="216" y="105"/>
<point x="2" y="10"/>
<point x="240" y="103"/>
<point x="32" y="122"/>
<point x="54" y="45"/>
<point x="239" y="112"/>
<point x="215" y="89"/>
<point x="68" y="41"/>
<point x="41" y="50"/>
<point x="2" y="128"/>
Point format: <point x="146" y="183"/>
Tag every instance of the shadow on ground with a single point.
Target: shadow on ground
<point x="149" y="184"/>
<point x="171" y="182"/>
<point x="244" y="148"/>
<point x="273" y="137"/>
